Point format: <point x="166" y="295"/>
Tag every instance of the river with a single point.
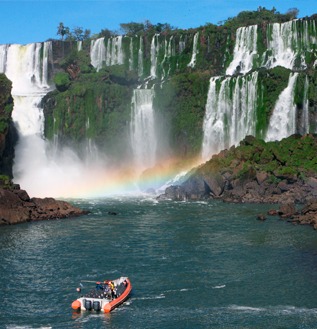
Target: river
<point x="191" y="264"/>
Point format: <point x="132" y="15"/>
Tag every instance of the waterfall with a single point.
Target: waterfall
<point x="230" y="112"/>
<point x="192" y="62"/>
<point x="140" y="58"/>
<point x="154" y="52"/>
<point x="305" y="113"/>
<point x="283" y="119"/>
<point x="110" y="55"/>
<point x="114" y="51"/>
<point x="288" y="43"/>
<point x="79" y="45"/>
<point x="131" y="55"/>
<point x="98" y="53"/>
<point x="28" y="68"/>
<point x="3" y="57"/>
<point x="166" y="65"/>
<point x="181" y="45"/>
<point x="245" y="50"/>
<point x="28" y="72"/>
<point x="142" y="128"/>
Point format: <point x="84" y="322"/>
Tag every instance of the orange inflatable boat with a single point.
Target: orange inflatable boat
<point x="106" y="296"/>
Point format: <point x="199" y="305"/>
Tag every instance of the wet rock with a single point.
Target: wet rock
<point x="261" y="217"/>
<point x="287" y="210"/>
<point x="17" y="207"/>
<point x="272" y="212"/>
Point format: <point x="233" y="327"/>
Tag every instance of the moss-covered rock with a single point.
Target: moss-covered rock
<point x="8" y="134"/>
<point x="256" y="171"/>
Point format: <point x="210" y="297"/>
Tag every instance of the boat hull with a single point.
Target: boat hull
<point x="96" y="303"/>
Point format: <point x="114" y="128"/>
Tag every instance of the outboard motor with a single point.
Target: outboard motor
<point x="96" y="306"/>
<point x="88" y="305"/>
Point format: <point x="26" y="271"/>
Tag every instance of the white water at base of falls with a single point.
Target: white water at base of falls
<point x="283" y="119"/>
<point x="230" y="112"/>
<point x="40" y="167"/>
<point x="142" y="129"/>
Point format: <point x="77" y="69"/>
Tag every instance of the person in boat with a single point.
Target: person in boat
<point x="99" y="286"/>
<point x="112" y="289"/>
<point x="107" y="290"/>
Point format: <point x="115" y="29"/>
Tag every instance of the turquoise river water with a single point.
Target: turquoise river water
<point x="192" y="265"/>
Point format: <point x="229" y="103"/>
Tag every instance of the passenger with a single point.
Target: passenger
<point x="99" y="286"/>
<point x="112" y="288"/>
<point x="107" y="291"/>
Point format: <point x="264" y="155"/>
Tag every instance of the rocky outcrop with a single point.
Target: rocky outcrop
<point x="17" y="207"/>
<point x="308" y="215"/>
<point x="256" y="172"/>
<point x="8" y="135"/>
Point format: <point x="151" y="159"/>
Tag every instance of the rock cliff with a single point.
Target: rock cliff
<point x="17" y="207"/>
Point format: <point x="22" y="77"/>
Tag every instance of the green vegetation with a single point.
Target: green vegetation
<point x="293" y="156"/>
<point x="6" y="103"/>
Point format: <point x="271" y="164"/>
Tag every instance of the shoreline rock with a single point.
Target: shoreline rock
<point x="17" y="207"/>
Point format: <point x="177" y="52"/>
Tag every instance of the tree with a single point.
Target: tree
<point x="132" y="28"/>
<point x="62" y="30"/>
<point x="105" y="33"/>
<point x="79" y="34"/>
<point x="292" y="13"/>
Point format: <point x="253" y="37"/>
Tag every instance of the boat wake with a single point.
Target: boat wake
<point x="280" y="309"/>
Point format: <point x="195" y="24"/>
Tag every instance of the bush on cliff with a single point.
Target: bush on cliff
<point x="62" y="81"/>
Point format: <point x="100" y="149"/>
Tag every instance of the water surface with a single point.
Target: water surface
<point x="192" y="265"/>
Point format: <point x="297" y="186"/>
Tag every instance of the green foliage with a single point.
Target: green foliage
<point x="182" y="102"/>
<point x="90" y="108"/>
<point x="62" y="81"/>
<point x="292" y="156"/>
<point x="259" y="17"/>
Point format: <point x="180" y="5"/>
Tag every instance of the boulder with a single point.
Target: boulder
<point x="17" y="207"/>
<point x="287" y="210"/>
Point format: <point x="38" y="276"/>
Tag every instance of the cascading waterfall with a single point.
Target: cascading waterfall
<point x="192" y="62"/>
<point x="230" y="112"/>
<point x="154" y="52"/>
<point x="245" y="50"/>
<point x="3" y="57"/>
<point x="79" y="45"/>
<point x="142" y="128"/>
<point x="98" y="53"/>
<point x="28" y="72"/>
<point x="288" y="43"/>
<point x="305" y="127"/>
<point x="232" y="100"/>
<point x="27" y="67"/>
<point x="101" y="55"/>
<point x="281" y="44"/>
<point x="283" y="119"/>
<point x="131" y="55"/>
<point x="114" y="54"/>
<point x="140" y="58"/>
<point x="42" y="168"/>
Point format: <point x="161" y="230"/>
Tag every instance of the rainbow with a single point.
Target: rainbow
<point x="96" y="181"/>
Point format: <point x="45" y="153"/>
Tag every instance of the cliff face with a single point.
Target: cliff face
<point x="8" y="136"/>
<point x="94" y="98"/>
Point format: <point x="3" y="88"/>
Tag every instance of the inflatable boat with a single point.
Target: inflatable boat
<point x="105" y="297"/>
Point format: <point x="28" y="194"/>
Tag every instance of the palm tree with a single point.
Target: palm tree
<point x="62" y="30"/>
